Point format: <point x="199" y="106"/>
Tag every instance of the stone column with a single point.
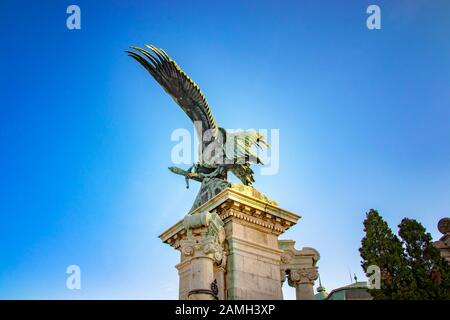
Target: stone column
<point x="201" y="251"/>
<point x="300" y="268"/>
<point x="283" y="279"/>
<point x="219" y="277"/>
<point x="303" y="281"/>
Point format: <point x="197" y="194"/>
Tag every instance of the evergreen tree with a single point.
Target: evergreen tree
<point x="431" y="272"/>
<point x="382" y="248"/>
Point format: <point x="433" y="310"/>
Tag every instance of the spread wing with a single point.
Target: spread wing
<point x="239" y="146"/>
<point x="177" y="84"/>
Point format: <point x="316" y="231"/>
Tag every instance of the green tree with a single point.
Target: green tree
<point x="382" y="248"/>
<point x="430" y="271"/>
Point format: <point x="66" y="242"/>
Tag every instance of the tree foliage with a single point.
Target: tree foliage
<point x="411" y="267"/>
<point x="431" y="272"/>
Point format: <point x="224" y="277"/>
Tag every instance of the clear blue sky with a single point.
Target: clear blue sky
<point x="85" y="132"/>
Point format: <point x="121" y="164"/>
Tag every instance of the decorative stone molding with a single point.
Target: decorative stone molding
<point x="302" y="276"/>
<point x="210" y="187"/>
<point x="204" y="236"/>
<point x="261" y="218"/>
<point x="232" y="204"/>
<point x="252" y="192"/>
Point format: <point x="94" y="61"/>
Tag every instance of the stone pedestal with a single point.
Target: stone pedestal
<point x="230" y="250"/>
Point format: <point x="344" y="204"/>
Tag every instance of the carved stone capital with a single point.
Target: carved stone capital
<point x="204" y="237"/>
<point x="286" y="257"/>
<point x="302" y="276"/>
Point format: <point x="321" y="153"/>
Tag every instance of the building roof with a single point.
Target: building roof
<point x="321" y="294"/>
<point x="353" y="291"/>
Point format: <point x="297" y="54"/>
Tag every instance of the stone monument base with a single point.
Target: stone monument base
<point x="230" y="249"/>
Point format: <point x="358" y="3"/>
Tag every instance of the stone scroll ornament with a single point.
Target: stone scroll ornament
<point x="207" y="243"/>
<point x="302" y="275"/>
<point x="220" y="151"/>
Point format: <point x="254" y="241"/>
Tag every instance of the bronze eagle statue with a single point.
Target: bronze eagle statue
<point x="221" y="151"/>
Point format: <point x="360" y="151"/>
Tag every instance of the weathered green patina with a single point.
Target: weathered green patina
<point x="221" y="151"/>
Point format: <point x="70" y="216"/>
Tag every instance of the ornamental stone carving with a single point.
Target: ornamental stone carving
<point x="303" y="276"/>
<point x="231" y="241"/>
<point x="202" y="251"/>
<point x="299" y="267"/>
<point x="205" y="236"/>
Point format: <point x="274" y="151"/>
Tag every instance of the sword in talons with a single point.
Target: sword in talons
<point x="187" y="175"/>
